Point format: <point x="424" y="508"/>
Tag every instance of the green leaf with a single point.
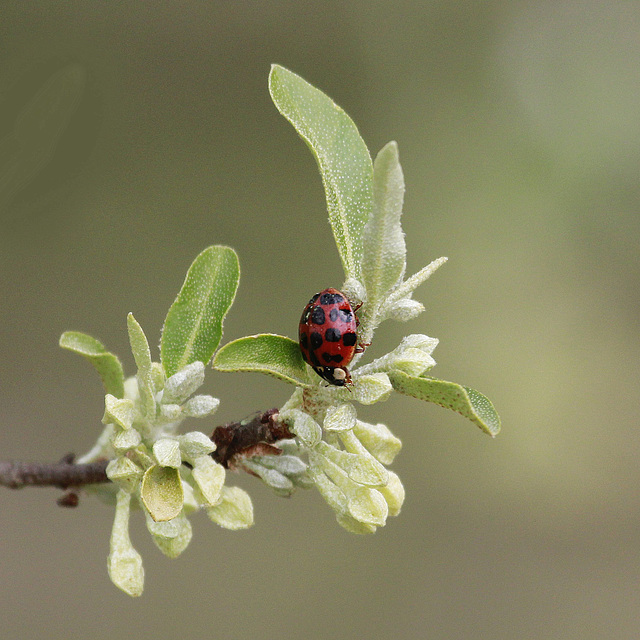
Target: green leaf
<point x="342" y="156"/>
<point x="162" y="493"/>
<point x="106" y="364"/>
<point x="268" y="353"/>
<point x="193" y="326"/>
<point x="384" y="259"/>
<point x="142" y="356"/>
<point x="468" y="402"/>
<point x="124" y="563"/>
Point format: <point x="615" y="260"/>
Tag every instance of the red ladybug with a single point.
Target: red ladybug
<point x="327" y="334"/>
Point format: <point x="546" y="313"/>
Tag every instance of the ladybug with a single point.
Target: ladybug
<point x="327" y="335"/>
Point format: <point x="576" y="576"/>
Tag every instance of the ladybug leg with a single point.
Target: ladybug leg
<point x="362" y="346"/>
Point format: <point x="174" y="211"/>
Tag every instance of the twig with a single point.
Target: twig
<point x="235" y="440"/>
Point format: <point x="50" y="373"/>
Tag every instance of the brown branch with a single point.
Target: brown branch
<point x="234" y="441"/>
<point x="16" y="475"/>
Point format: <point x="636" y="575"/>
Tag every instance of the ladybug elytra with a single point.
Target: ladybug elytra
<point x="327" y="335"/>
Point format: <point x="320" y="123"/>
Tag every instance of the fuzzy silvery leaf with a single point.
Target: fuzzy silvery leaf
<point x="201" y="406"/>
<point x="209" y="476"/>
<point x="410" y="284"/>
<point x="340" y="417"/>
<point x="342" y="156"/>
<point x="124" y="562"/>
<point x="123" y="440"/>
<point x="363" y="469"/>
<point x="348" y="522"/>
<point x="105" y="363"/>
<point x="303" y="425"/>
<point x="171" y="537"/>
<point x="368" y="506"/>
<point x="234" y="511"/>
<point x="378" y="440"/>
<point x="393" y="493"/>
<point x="403" y="310"/>
<point x="285" y="464"/>
<point x="193" y="326"/>
<point x="265" y="353"/>
<point x="195" y="444"/>
<point x="384" y="258"/>
<point x="183" y="383"/>
<point x="125" y="473"/>
<point x="332" y="494"/>
<point x="170" y="413"/>
<point x="118" y="412"/>
<point x="161" y="492"/>
<point x="167" y="452"/>
<point x="142" y="356"/>
<point x="372" y="388"/>
<point x="271" y="477"/>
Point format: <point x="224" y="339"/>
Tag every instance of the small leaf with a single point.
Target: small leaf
<point x="124" y="562"/>
<point x="468" y="402"/>
<point x="234" y="511"/>
<point x="183" y="383"/>
<point x="393" y="493"/>
<point x="268" y="353"/>
<point x="209" y="476"/>
<point x="120" y="412"/>
<point x="410" y="284"/>
<point x="142" y="356"/>
<point x="171" y="537"/>
<point x="363" y="469"/>
<point x="378" y="440"/>
<point x="162" y="493"/>
<point x="385" y="251"/>
<point x="167" y="452"/>
<point x="368" y="506"/>
<point x="342" y="156"/>
<point x="303" y="425"/>
<point x="105" y="363"/>
<point x="193" y="326"/>
<point x="340" y="417"/>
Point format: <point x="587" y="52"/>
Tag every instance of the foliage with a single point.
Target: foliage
<point x="170" y="475"/>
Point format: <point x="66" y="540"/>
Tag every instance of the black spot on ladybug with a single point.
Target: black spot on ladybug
<point x="317" y="315"/>
<point x="316" y="339"/>
<point x="331" y="298"/>
<point x="327" y="357"/>
<point x="313" y="299"/>
<point x="348" y="339"/>
<point x="345" y="315"/>
<point x="332" y="335"/>
<point x="304" y="342"/>
<point x="333" y="314"/>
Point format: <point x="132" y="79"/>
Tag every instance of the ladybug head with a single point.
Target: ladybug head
<point x="337" y="376"/>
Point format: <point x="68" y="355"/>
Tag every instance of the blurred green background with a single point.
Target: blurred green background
<point x="518" y="125"/>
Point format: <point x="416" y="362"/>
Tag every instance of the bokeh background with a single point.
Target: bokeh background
<point x="518" y="125"/>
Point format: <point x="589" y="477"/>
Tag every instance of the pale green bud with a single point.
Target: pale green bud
<point x="122" y="441"/>
<point x="182" y="384"/>
<point x="125" y="473"/>
<point x="372" y="388"/>
<point x="378" y="440"/>
<point x="118" y="411"/>
<point x="167" y="452"/>
<point x="201" y="406"/>
<point x="209" y="477"/>
<point x="195" y="444"/>
<point x="171" y="537"/>
<point x="340" y="418"/>
<point x="124" y="562"/>
<point x="234" y="510"/>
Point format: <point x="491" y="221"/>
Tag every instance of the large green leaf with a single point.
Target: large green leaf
<point x="104" y="362"/>
<point x="343" y="158"/>
<point x="193" y="327"/>
<point x="267" y="353"/>
<point x="468" y="402"/>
